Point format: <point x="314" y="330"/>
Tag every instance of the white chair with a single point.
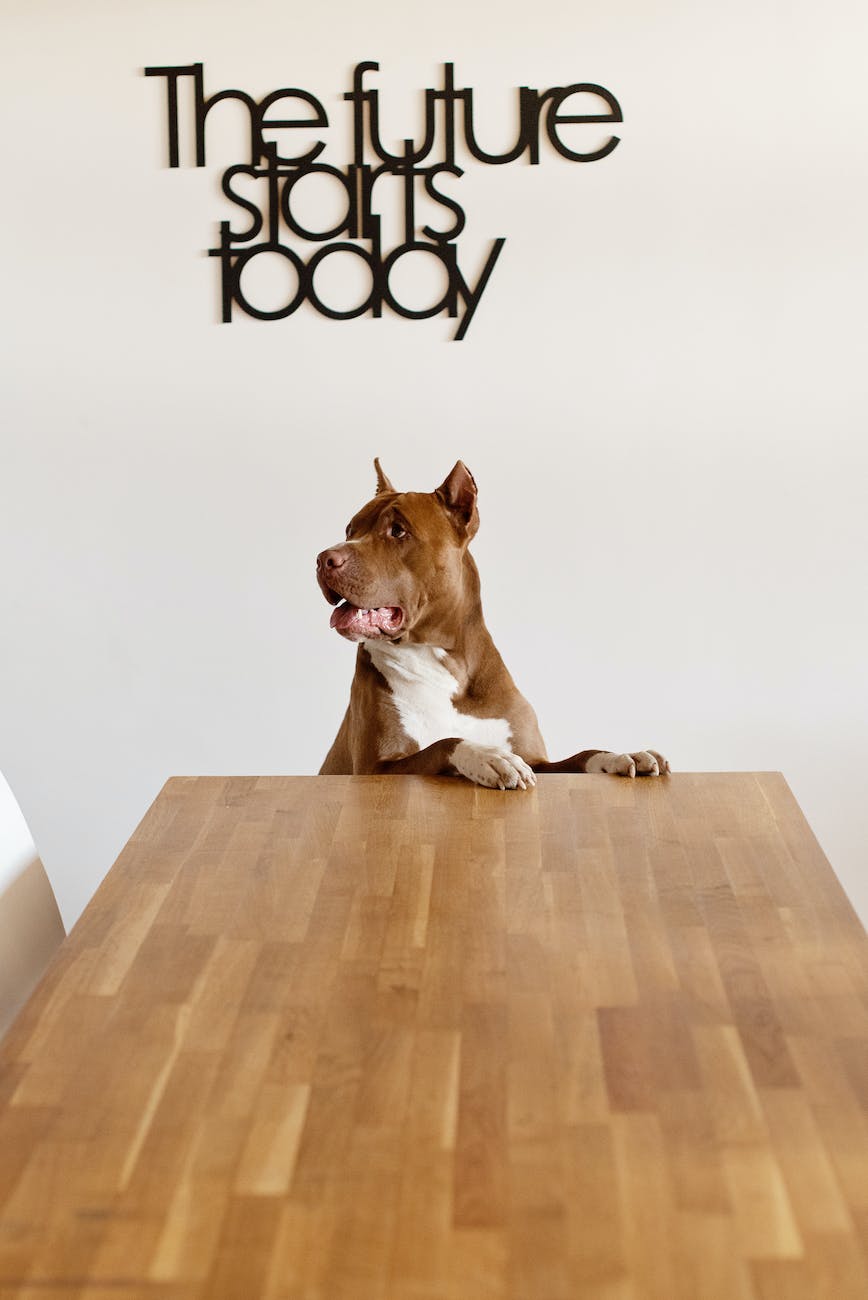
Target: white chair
<point x="30" y="924"/>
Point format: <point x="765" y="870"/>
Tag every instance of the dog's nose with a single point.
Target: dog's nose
<point x="333" y="558"/>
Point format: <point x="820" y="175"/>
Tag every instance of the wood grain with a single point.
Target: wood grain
<point x="371" y="1038"/>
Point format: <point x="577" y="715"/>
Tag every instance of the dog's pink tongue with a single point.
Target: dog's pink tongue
<point x="364" y="622"/>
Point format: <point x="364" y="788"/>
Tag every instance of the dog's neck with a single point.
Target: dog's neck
<point x="460" y="641"/>
<point x="460" y="629"/>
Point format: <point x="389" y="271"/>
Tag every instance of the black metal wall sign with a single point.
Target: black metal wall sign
<point x="358" y="233"/>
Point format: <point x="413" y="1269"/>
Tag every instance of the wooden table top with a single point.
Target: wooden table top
<point x="347" y="1038"/>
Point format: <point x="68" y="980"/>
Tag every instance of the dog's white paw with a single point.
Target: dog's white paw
<point x="645" y="762"/>
<point x="496" y="768"/>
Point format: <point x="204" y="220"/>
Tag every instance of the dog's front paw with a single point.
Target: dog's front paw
<point x="645" y="762"/>
<point x="496" y="768"/>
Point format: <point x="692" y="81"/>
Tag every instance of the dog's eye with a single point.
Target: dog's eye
<point x="397" y="530"/>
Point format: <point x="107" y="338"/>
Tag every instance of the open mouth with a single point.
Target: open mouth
<point x="360" y="624"/>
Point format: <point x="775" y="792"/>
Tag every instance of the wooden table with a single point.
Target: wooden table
<point x="341" y="1038"/>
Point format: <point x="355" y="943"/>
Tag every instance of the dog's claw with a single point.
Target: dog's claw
<point x="644" y="762"/>
<point x="496" y="768"/>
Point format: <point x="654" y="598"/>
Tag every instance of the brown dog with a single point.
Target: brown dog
<point x="431" y="695"/>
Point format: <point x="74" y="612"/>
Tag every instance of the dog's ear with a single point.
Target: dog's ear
<point x="383" y="484"/>
<point x="458" y="494"/>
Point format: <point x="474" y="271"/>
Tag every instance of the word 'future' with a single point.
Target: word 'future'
<point x="357" y="233"/>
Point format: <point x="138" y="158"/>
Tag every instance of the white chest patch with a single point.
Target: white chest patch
<point x="423" y="688"/>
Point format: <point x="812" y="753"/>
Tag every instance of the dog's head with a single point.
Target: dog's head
<point x="397" y="574"/>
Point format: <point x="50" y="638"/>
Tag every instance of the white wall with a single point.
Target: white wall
<point x="663" y="397"/>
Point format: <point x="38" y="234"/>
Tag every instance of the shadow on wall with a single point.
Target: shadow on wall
<point x="30" y="924"/>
